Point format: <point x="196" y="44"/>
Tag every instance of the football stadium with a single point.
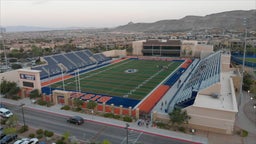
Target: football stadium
<point x="159" y="77"/>
<point x="126" y="81"/>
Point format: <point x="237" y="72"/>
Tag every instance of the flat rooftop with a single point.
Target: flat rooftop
<point x="226" y="99"/>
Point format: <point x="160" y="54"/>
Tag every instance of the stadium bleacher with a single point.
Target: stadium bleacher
<point x="61" y="59"/>
<point x="85" y="57"/>
<point x="78" y="61"/>
<point x="99" y="57"/>
<point x="205" y="73"/>
<point x="71" y="61"/>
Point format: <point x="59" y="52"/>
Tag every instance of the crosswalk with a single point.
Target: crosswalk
<point x="133" y="137"/>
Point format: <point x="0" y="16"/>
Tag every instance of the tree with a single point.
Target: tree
<point x="15" y="54"/>
<point x="34" y="94"/>
<point x="16" y="66"/>
<point x="106" y="142"/>
<point x="91" y="104"/>
<point x="253" y="90"/>
<point x="177" y="116"/>
<point x="11" y="124"/>
<point x="78" y="102"/>
<point x="14" y="91"/>
<point x="247" y="81"/>
<point x="66" y="136"/>
<point x="36" y="51"/>
<point x="9" y="88"/>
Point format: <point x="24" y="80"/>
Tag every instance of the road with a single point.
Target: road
<point x="89" y="131"/>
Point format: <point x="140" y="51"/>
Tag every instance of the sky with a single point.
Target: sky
<point x="108" y="13"/>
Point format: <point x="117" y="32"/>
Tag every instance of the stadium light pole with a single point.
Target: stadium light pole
<point x="63" y="83"/>
<point x="242" y="75"/>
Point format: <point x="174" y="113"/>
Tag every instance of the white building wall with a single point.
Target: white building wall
<point x="214" y="120"/>
<point x="137" y="47"/>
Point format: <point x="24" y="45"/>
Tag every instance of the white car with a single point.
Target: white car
<point x="5" y="113"/>
<point x="22" y="141"/>
<point x="27" y="141"/>
<point x="33" y="141"/>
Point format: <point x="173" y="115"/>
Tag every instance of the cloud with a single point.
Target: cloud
<point x="41" y="1"/>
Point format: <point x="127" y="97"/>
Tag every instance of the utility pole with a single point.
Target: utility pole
<point x="127" y="132"/>
<point x="23" y="117"/>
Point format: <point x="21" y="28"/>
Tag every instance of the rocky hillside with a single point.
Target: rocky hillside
<point x="228" y="20"/>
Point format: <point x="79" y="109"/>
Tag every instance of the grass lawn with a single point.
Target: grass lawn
<point x="114" y="81"/>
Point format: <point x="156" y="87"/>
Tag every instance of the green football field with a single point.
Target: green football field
<point x="249" y="59"/>
<point x="114" y="80"/>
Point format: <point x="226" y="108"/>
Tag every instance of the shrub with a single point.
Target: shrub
<point x="182" y="129"/>
<point x="23" y="129"/>
<point x="127" y="119"/>
<point x="15" y="97"/>
<point x="244" y="133"/>
<point x="65" y="107"/>
<point x="3" y="121"/>
<point x="77" y="109"/>
<point x="39" y="136"/>
<point x="60" y="141"/>
<point x="161" y="125"/>
<point x="41" y="102"/>
<point x="48" y="104"/>
<point x="116" y="116"/>
<point x="108" y="115"/>
<point x="39" y="132"/>
<point x="31" y="135"/>
<point x="48" y="133"/>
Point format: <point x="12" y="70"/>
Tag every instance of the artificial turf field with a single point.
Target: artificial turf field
<point x="112" y="80"/>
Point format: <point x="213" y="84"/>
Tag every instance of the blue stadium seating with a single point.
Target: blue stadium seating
<point x="61" y="59"/>
<point x="84" y="56"/>
<point x="78" y="61"/>
<point x="71" y="61"/>
<point x="205" y="73"/>
<point x="87" y="52"/>
<point x="174" y="77"/>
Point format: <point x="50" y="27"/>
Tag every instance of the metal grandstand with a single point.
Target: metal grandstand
<point x="204" y="73"/>
<point x="69" y="62"/>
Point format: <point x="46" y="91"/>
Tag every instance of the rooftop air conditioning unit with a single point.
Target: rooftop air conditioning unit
<point x="215" y="95"/>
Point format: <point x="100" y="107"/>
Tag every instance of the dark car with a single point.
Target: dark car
<point x="1" y="133"/>
<point x="8" y="138"/>
<point x="76" y="120"/>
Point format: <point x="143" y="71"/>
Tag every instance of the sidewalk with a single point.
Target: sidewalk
<point x="133" y="126"/>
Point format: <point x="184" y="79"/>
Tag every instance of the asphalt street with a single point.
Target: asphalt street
<point x="89" y="131"/>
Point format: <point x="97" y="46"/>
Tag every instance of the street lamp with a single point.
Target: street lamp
<point x="127" y="131"/>
<point x="254" y="107"/>
<point x="23" y="117"/>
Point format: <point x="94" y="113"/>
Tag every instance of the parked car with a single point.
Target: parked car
<point x="5" y="113"/>
<point x="33" y="141"/>
<point x="1" y="132"/>
<point x="8" y="138"/>
<point x="27" y="141"/>
<point x="76" y="120"/>
<point x="2" y="105"/>
<point x="22" y="141"/>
